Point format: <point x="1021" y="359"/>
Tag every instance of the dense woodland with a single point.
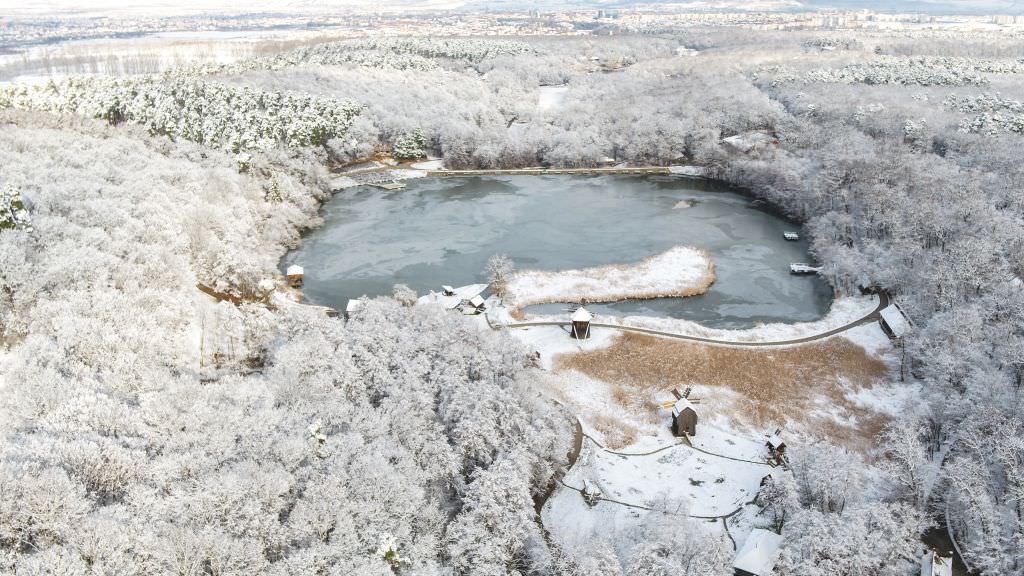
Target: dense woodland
<point x="148" y="430"/>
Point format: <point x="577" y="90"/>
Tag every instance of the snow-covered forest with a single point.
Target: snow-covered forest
<point x="147" y="429"/>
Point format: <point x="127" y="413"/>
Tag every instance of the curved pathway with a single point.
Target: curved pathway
<point x="580" y="436"/>
<point x="874" y="315"/>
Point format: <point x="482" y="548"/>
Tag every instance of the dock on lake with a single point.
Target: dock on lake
<point x="798" y="268"/>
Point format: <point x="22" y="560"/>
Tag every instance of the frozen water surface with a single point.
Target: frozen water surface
<point x="442" y="231"/>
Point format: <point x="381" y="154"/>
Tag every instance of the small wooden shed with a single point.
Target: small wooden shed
<point x="684" y="418"/>
<point x="447" y="290"/>
<point x="294" y="275"/>
<point x="776" y="446"/>
<point x="581" y="323"/>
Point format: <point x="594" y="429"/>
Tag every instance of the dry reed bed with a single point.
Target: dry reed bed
<point x="679" y="272"/>
<point x="773" y="385"/>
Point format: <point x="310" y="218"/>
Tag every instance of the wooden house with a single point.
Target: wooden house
<point x="684" y="418"/>
<point x="294" y="275"/>
<point x="581" y="323"/>
<point x="776" y="446"/>
<point x="447" y="290"/>
<point x="759" y="554"/>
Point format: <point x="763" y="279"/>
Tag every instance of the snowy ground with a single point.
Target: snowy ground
<point x="436" y="164"/>
<point x="551" y="97"/>
<point x="551" y="341"/>
<point x="680" y="271"/>
<point x="450" y="302"/>
<point x="709" y="485"/>
<point x="676" y="478"/>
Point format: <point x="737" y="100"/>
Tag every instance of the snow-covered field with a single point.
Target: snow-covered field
<point x="550" y="97"/>
<point x="679" y="271"/>
<point x="676" y="478"/>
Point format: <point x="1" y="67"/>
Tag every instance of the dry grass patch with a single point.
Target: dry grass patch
<point x="798" y="383"/>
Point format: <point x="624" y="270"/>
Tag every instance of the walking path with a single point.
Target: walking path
<point x="542" y="171"/>
<point x="883" y="301"/>
<point x="581" y="436"/>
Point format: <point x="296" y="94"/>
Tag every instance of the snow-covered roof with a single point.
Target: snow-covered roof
<point x="353" y="305"/>
<point x="294" y="270"/>
<point x="476" y="301"/>
<point x="895" y="320"/>
<point x="775" y="441"/>
<point x="680" y="405"/>
<point x="934" y="565"/>
<point x="582" y="315"/>
<point x="759" y="554"/>
<point x="447" y="289"/>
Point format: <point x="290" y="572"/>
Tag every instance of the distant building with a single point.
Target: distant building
<point x="759" y="554"/>
<point x="581" y="323"/>
<point x="447" y="290"/>
<point x="294" y="275"/>
<point x="893" y="321"/>
<point x="933" y="564"/>
<point x="684" y="418"/>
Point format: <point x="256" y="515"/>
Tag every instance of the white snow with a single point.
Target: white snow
<point x="759" y="553"/>
<point x="871" y="338"/>
<point x="551" y="341"/>
<point x="748" y="141"/>
<point x="581" y="315"/>
<point x="551" y="97"/>
<point x="709" y="485"/>
<point x="688" y="170"/>
<point x="294" y="270"/>
<point x="895" y="319"/>
<point x="451" y="302"/>
<point x="678" y="271"/>
<point x="436" y="164"/>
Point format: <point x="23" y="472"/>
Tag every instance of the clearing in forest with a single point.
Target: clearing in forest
<point x="814" y="384"/>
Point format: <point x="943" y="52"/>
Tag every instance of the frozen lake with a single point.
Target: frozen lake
<point x="442" y="231"/>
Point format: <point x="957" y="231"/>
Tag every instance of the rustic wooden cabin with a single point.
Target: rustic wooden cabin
<point x="684" y="418"/>
<point x="294" y="275"/>
<point x="447" y="290"/>
<point x="759" y="554"/>
<point x="581" y="323"/>
<point x="776" y="447"/>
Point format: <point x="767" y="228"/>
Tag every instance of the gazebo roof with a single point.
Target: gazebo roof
<point x="581" y="315"/>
